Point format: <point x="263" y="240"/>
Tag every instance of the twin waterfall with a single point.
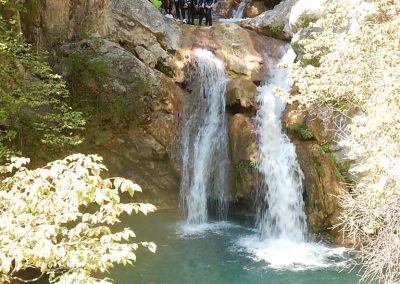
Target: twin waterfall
<point x="205" y="160"/>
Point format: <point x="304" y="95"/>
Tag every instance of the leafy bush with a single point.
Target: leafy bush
<point x="33" y="107"/>
<point x="358" y="72"/>
<point x="57" y="219"/>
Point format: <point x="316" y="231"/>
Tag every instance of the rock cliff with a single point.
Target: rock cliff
<point x="125" y="66"/>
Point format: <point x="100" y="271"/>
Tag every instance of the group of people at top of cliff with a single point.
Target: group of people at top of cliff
<point x="191" y="8"/>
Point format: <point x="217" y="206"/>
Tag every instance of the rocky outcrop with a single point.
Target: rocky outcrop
<point x="322" y="189"/>
<point x="225" y="8"/>
<point x="254" y="8"/>
<point x="236" y="46"/>
<point x="325" y="173"/>
<point x="274" y="23"/>
<point x="133" y="113"/>
<point x="127" y="73"/>
<point x="244" y="157"/>
<point x="137" y="155"/>
<point x="142" y="29"/>
<point x="242" y="93"/>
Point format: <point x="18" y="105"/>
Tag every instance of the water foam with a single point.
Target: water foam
<point x="285" y="254"/>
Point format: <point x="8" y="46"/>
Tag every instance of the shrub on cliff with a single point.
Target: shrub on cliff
<point x="57" y="219"/>
<point x="357" y="54"/>
<point x="33" y="100"/>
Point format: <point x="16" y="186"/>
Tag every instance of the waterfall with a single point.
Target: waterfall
<point x="204" y="139"/>
<point x="238" y="13"/>
<point x="280" y="208"/>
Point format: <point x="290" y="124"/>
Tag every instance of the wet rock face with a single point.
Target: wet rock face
<point x="324" y="172"/>
<point x="244" y="155"/>
<point x="322" y="190"/>
<point x="233" y="44"/>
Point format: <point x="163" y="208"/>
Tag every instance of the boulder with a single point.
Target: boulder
<point x="254" y="8"/>
<point x="235" y="44"/>
<point x="295" y="117"/>
<point x="241" y="92"/>
<point x="274" y="23"/>
<point x="137" y="25"/>
<point x="146" y="56"/>
<point x="225" y="8"/>
<point x="229" y="42"/>
<point x="140" y="23"/>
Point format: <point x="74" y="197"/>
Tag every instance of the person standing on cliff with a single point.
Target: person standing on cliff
<point x="180" y="7"/>
<point x="167" y="4"/>
<point x="192" y="5"/>
<point x="205" y="9"/>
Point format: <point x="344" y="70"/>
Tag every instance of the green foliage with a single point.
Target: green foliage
<point x="326" y="148"/>
<point x="276" y="30"/>
<point x="306" y="133"/>
<point x="167" y="70"/>
<point x="245" y="165"/>
<point x="296" y="46"/>
<point x="305" y="61"/>
<point x="58" y="219"/>
<point x="304" y="21"/>
<point x="32" y="98"/>
<point x="87" y="73"/>
<point x="84" y="66"/>
<point x="342" y="168"/>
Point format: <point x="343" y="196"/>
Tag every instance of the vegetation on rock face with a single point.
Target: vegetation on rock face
<point x="32" y="98"/>
<point x="95" y="87"/>
<point x="306" y="133"/>
<point x="358" y="63"/>
<point x="57" y="219"/>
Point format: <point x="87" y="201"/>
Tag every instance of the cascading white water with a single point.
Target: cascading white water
<point x="204" y="139"/>
<point x="281" y="208"/>
<point x="281" y="220"/>
<point x="238" y="13"/>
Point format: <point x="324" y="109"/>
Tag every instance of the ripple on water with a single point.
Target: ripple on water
<point x="186" y="230"/>
<point x="285" y="254"/>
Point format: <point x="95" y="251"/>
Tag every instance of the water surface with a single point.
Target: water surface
<point x="213" y="254"/>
